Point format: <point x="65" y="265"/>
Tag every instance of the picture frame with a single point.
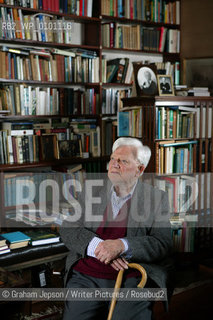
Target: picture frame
<point x="69" y="148"/>
<point x="49" y="149"/>
<point x="145" y="79"/>
<point x="165" y="85"/>
<point x="197" y="72"/>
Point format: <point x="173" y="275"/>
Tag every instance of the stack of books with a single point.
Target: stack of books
<point x="41" y="237"/>
<point x="3" y="246"/>
<point x="199" y="91"/>
<point x="16" y="239"/>
<point x="35" y="237"/>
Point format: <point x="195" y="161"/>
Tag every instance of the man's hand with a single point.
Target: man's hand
<point x="109" y="250"/>
<point x="119" y="264"/>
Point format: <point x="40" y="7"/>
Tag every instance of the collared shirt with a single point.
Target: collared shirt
<point x="117" y="203"/>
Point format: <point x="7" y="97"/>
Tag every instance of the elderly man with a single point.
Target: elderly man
<point x="134" y="227"/>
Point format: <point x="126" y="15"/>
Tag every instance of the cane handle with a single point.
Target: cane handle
<point x="119" y="281"/>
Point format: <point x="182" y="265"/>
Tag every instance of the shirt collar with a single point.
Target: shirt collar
<point x="128" y="196"/>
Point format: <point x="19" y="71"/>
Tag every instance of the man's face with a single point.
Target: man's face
<point x="123" y="166"/>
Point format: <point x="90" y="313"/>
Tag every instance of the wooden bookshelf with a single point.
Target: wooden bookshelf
<point x="195" y="219"/>
<point x="149" y="104"/>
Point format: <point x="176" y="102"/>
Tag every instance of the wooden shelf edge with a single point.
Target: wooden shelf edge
<point x="35" y="262"/>
<point x="49" y="83"/>
<point x="34" y="43"/>
<point x="144" y="22"/>
<point x="52" y="163"/>
<point x="60" y="14"/>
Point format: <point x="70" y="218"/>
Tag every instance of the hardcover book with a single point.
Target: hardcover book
<point x="2" y="241"/>
<point x="16" y="239"/>
<point x="42" y="236"/>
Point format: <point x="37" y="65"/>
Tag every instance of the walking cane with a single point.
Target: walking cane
<point x="119" y="281"/>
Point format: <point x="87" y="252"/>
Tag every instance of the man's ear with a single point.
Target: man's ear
<point x="141" y="169"/>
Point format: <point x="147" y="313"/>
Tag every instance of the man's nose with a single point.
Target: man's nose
<point x="116" y="163"/>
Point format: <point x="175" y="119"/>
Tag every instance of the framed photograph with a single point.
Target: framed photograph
<point x="165" y="85"/>
<point x="197" y="72"/>
<point x="48" y="144"/>
<point x="145" y="79"/>
<point x="69" y="148"/>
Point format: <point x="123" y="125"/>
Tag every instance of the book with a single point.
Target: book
<point x="41" y="237"/>
<point x="2" y="241"/>
<point x="5" y="251"/>
<point x="16" y="239"/>
<point x="111" y="72"/>
<point x="63" y="52"/>
<point x="3" y="248"/>
<point x="123" y="123"/>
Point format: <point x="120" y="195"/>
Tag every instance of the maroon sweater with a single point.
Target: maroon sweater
<point x="113" y="229"/>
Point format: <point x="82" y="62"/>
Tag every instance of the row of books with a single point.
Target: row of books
<point x="18" y="239"/>
<point x="137" y="37"/>
<point x="130" y="123"/>
<point x="26" y="147"/>
<point x="155" y="10"/>
<point x="29" y="100"/>
<point x="175" y="156"/>
<point x="186" y="193"/>
<point x="184" y="121"/>
<point x="17" y="25"/>
<point x="204" y="121"/>
<point x="175" y="122"/>
<point x="184" y="237"/>
<point x="112" y="100"/>
<point x="47" y="65"/>
<point x="199" y="91"/>
<point x="191" y="207"/>
<point x="29" y="187"/>
<point x="78" y="7"/>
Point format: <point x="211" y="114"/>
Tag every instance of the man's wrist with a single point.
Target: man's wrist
<point x="125" y="245"/>
<point x="92" y="246"/>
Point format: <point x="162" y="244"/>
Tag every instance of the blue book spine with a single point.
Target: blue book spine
<point x="65" y="2"/>
<point x="15" y="66"/>
<point x="40" y="4"/>
<point x="83" y="4"/>
<point x="120" y="9"/>
<point x="42" y="28"/>
<point x="66" y="69"/>
<point x="181" y="160"/>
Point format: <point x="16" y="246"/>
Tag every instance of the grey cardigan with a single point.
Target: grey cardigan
<point x="148" y="233"/>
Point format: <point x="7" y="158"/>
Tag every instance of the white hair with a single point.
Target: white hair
<point x="143" y="152"/>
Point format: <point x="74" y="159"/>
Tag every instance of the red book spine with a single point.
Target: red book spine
<point x="12" y="68"/>
<point x="87" y="144"/>
<point x="41" y="70"/>
<point x="81" y="7"/>
<point x="45" y="4"/>
<point x="111" y="26"/>
<point x="49" y="5"/>
<point x="131" y="9"/>
<point x="57" y="6"/>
